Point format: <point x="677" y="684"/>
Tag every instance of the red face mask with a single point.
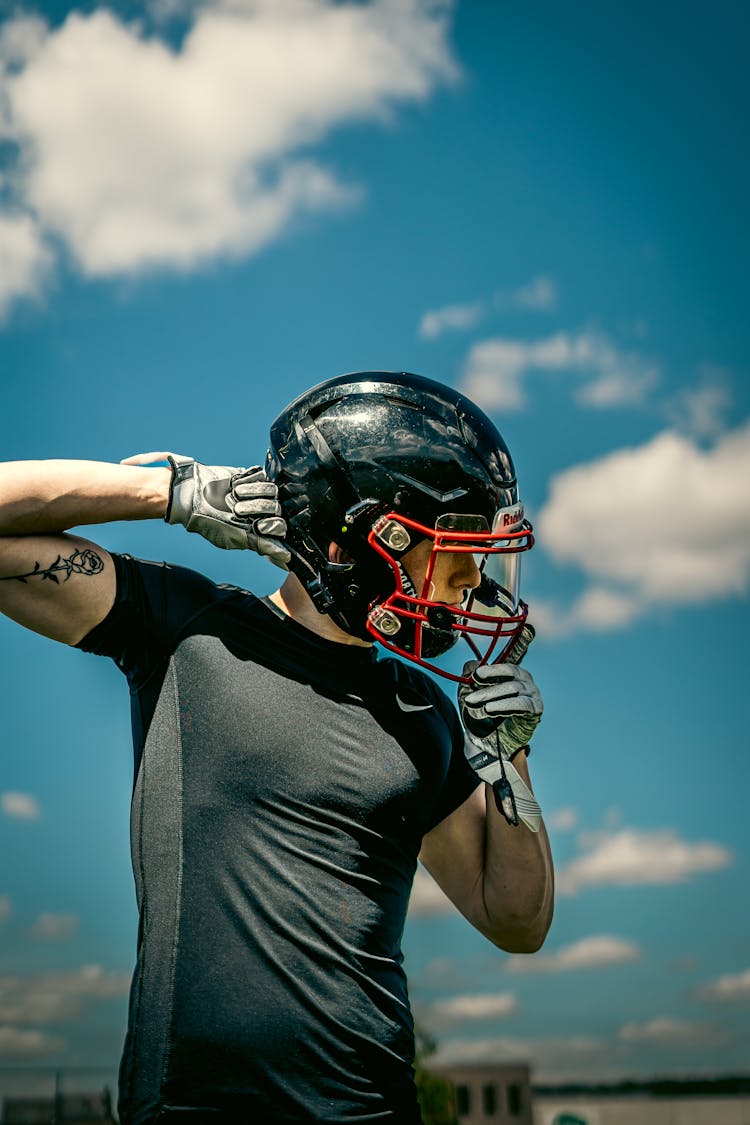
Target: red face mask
<point x="490" y="618"/>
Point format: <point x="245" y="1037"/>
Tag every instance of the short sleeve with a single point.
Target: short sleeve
<point x="154" y="602"/>
<point x="460" y="779"/>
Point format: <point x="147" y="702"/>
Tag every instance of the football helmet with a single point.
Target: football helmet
<point x="379" y="462"/>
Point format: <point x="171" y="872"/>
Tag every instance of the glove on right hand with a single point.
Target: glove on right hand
<point x="234" y="508"/>
<point x="253" y="500"/>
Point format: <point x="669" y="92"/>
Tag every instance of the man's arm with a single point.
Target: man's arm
<point x="57" y="584"/>
<point x="491" y="856"/>
<point x="499" y="875"/>
<point x="62" y="586"/>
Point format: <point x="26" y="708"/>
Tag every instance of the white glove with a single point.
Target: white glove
<point x="502" y="699"/>
<point x="500" y="710"/>
<point x="234" y="508"/>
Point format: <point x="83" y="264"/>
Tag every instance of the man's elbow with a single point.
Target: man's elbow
<point x="519" y="935"/>
<point x="530" y="942"/>
<point x="527" y="942"/>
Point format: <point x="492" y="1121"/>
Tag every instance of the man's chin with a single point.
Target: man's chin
<point x="435" y="642"/>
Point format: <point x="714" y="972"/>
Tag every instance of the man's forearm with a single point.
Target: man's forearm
<point x="42" y="497"/>
<point x="518" y="880"/>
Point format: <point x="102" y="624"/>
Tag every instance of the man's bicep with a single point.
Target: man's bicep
<point x="58" y="585"/>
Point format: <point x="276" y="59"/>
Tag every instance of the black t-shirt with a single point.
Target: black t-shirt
<point x="283" y="786"/>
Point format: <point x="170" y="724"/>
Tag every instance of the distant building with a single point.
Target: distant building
<point x="501" y="1094"/>
<point x="641" y="1110"/>
<point x="65" y="1109"/>
<point x="489" y="1094"/>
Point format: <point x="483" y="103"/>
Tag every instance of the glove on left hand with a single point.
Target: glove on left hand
<point x="500" y="711"/>
<point x="502" y="699"/>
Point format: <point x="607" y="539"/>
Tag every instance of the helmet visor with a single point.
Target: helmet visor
<point x="497" y="553"/>
<point x="499" y="592"/>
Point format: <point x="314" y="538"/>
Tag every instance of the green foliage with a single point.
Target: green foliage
<point x="435" y="1094"/>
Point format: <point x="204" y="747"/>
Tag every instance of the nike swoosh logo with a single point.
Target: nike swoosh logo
<point x="413" y="706"/>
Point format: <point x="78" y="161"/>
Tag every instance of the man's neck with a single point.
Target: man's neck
<point x="294" y="600"/>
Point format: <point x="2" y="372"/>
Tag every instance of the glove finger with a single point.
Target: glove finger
<point x="481" y="696"/>
<point x="495" y="673"/>
<point x="502" y="708"/>
<point x="520" y="705"/>
<point x="246" y="490"/>
<point x="254" y="473"/>
<point x="273" y="527"/>
<point x="251" y="509"/>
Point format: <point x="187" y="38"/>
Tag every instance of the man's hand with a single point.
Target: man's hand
<point x="502" y="698"/>
<point x="234" y="508"/>
<point x="501" y="708"/>
<point x="253" y="500"/>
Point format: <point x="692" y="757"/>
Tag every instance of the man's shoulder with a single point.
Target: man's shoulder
<point x="175" y="575"/>
<point x="173" y="595"/>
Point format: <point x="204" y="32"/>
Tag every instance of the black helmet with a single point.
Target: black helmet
<point x="376" y="462"/>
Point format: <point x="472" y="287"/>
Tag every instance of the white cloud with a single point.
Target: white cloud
<point x="53" y="927"/>
<point x="136" y="155"/>
<point x="20" y="39"/>
<point x="562" y="820"/>
<point x="17" y="1044"/>
<point x="700" y="411"/>
<point x="496" y="370"/>
<point x="427" y="899"/>
<point x="20" y="806"/>
<point x="6" y="908"/>
<point x="589" y="953"/>
<point x="25" y="260"/>
<point x="731" y="986"/>
<point x="550" y="1058"/>
<point x="662" y="523"/>
<point x="633" y="858"/>
<point x="460" y="1009"/>
<point x="437" y="321"/>
<point x="596" y="610"/>
<point x="492" y="374"/>
<point x="52" y="997"/>
<point x="163" y="11"/>
<point x="581" y="1057"/>
<point x="541" y="293"/>
<point x="665" y="1032"/>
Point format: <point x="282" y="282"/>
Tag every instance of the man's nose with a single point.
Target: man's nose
<point x="466" y="573"/>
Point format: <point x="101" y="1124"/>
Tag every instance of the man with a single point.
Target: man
<point x="287" y="778"/>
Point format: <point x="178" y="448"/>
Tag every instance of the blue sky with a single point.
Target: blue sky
<point x="209" y="208"/>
